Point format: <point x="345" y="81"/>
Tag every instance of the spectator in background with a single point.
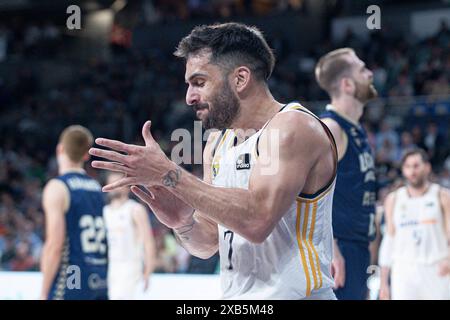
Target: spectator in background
<point x="386" y="133"/>
<point x="379" y="77"/>
<point x="8" y="252"/>
<point x="4" y="34"/>
<point x="443" y="35"/>
<point x="439" y="86"/>
<point x="23" y="260"/>
<point x="386" y="154"/>
<point x="417" y="137"/>
<point x="396" y="62"/>
<point x="434" y="144"/>
<point x="406" y="143"/>
<point x="403" y="87"/>
<point x="26" y="233"/>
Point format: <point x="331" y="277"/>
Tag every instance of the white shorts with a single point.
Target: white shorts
<point x="125" y="281"/>
<point x="412" y="281"/>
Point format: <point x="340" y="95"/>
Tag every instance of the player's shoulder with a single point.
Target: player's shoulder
<point x="392" y="196"/>
<point x="291" y="116"/>
<point x="55" y="187"/>
<point x="444" y="192"/>
<point x="56" y="194"/>
<point x="301" y="126"/>
<point x="137" y="206"/>
<point x="333" y="125"/>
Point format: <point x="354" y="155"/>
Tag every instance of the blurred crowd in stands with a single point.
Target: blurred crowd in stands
<point x="113" y="97"/>
<point x="162" y="11"/>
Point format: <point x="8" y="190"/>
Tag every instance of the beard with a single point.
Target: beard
<point x="223" y="110"/>
<point x="365" y="92"/>
<point x="418" y="183"/>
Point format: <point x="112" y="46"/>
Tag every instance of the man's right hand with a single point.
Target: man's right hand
<point x="170" y="210"/>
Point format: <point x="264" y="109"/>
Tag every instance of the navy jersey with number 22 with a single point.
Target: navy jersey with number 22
<point x="83" y="267"/>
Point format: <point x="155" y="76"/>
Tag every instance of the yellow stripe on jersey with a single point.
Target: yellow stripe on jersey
<point x="313" y="256"/>
<point x="308" y="244"/>
<point x="222" y="140"/>
<point x="302" y="251"/>
<point x="311" y="233"/>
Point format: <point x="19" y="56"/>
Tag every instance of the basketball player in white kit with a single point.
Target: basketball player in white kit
<point x="415" y="249"/>
<point x="131" y="248"/>
<point x="269" y="173"/>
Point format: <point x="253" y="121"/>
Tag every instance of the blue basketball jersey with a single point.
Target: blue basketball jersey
<point x="355" y="192"/>
<point x="83" y="266"/>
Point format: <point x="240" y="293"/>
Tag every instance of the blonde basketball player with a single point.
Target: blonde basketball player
<point x="415" y="249"/>
<point x="74" y="259"/>
<point x="265" y="200"/>
<point x="131" y="248"/>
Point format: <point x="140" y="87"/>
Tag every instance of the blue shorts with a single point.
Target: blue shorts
<point x="357" y="260"/>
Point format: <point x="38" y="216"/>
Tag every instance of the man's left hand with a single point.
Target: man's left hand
<point x="142" y="165"/>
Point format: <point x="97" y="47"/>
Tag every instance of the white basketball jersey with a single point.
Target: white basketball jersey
<point x="123" y="243"/>
<point x="294" y="261"/>
<point x="419" y="227"/>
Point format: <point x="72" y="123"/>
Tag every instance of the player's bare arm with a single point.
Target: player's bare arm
<point x="252" y="213"/>
<point x="55" y="202"/>
<point x="386" y="246"/>
<point x="196" y="233"/>
<point x="374" y="246"/>
<point x="144" y="232"/>
<point x="444" y="195"/>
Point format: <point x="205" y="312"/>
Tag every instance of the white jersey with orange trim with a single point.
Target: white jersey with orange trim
<point x="294" y="262"/>
<point x="419" y="227"/>
<point x="125" y="252"/>
<point x="420" y="245"/>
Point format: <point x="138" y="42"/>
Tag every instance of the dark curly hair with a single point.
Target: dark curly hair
<point x="231" y="45"/>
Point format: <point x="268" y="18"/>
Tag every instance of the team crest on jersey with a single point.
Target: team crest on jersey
<point x="215" y="167"/>
<point x="243" y="162"/>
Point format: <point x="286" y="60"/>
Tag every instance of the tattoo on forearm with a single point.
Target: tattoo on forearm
<point x="171" y="178"/>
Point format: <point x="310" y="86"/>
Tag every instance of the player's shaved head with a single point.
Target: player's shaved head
<point x="76" y="141"/>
